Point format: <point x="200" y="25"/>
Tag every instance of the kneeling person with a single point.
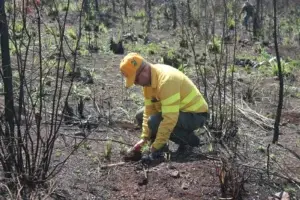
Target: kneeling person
<point x="174" y="107"/>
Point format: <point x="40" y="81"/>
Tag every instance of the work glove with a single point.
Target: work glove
<point x="147" y="159"/>
<point x="138" y="146"/>
<point x="134" y="153"/>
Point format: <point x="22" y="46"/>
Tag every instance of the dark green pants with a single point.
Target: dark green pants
<point x="183" y="133"/>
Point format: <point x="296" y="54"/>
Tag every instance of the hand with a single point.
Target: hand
<point x="139" y="144"/>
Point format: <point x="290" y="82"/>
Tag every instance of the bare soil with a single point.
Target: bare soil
<point x="258" y="172"/>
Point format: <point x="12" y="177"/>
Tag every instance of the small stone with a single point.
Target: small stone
<point x="175" y="174"/>
<point x="135" y="194"/>
<point x="280" y="195"/>
<point x="185" y="186"/>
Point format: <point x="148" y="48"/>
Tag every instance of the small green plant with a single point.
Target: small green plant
<point x="261" y="149"/>
<point x="298" y="142"/>
<point x="58" y="153"/>
<point x="12" y="48"/>
<point x="215" y="46"/>
<point x="52" y="31"/>
<point x="79" y="90"/>
<point x="83" y="52"/>
<point x="231" y="24"/>
<point x="140" y="14"/>
<point x="272" y="157"/>
<point x="108" y="150"/>
<point x="265" y="54"/>
<point x="286" y="68"/>
<point x="72" y="34"/>
<point x="18" y="26"/>
<point x="248" y="69"/>
<point x="181" y="68"/>
<point x="153" y="48"/>
<point x="86" y="146"/>
<point x="210" y="147"/>
<point x="94" y="157"/>
<point x="232" y="69"/>
<point x="100" y="28"/>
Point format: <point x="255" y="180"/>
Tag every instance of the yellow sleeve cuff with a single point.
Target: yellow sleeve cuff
<point x="158" y="145"/>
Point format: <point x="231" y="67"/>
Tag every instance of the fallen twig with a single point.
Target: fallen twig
<point x="252" y="115"/>
<point x="295" y="180"/>
<point x="112" y="165"/>
<point x="268" y="160"/>
<point x="289" y="150"/>
<point x="145" y="172"/>
<point x="98" y="139"/>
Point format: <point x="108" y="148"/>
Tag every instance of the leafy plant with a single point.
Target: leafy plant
<point x="286" y="68"/>
<point x="81" y="91"/>
<point x="261" y="149"/>
<point x="18" y="26"/>
<point x="231" y="23"/>
<point x="108" y="150"/>
<point x="52" y="31"/>
<point x="231" y="69"/>
<point x="86" y="146"/>
<point x="100" y="28"/>
<point x="71" y="33"/>
<point x="210" y="147"/>
<point x="153" y="48"/>
<point x="12" y="48"/>
<point x="58" y="153"/>
<point x="140" y="14"/>
<point x="215" y="46"/>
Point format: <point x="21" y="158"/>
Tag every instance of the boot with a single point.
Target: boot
<point x="184" y="149"/>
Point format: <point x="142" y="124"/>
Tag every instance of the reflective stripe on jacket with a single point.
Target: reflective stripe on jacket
<point x="171" y="91"/>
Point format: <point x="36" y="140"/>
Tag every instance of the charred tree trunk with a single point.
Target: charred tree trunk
<point x="113" y="5"/>
<point x="280" y="101"/>
<point x="125" y="7"/>
<point x="189" y="12"/>
<point x="256" y="21"/>
<point x="174" y="14"/>
<point x="97" y="5"/>
<point x="261" y="12"/>
<point x="86" y="6"/>
<point x="8" y="134"/>
<point x="148" y="13"/>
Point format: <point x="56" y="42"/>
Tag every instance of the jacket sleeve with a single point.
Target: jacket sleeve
<point x="149" y="110"/>
<point x="169" y="95"/>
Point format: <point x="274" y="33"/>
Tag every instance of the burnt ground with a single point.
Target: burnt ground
<point x="242" y="162"/>
<point x="193" y="176"/>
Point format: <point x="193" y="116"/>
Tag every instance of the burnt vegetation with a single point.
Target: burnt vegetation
<point x="66" y="120"/>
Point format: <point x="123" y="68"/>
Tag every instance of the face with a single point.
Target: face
<point x="143" y="77"/>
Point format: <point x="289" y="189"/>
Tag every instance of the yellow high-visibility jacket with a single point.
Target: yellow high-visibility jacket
<point x="171" y="91"/>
